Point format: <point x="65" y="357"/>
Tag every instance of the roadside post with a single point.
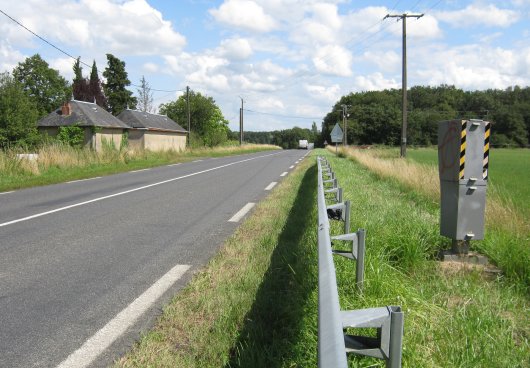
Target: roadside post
<point x="463" y="161"/>
<point x="336" y="136"/>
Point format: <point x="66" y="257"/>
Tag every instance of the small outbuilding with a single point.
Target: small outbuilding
<point x="100" y="127"/>
<point x="153" y="132"/>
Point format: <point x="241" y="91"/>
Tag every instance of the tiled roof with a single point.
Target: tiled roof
<point x="145" y="120"/>
<point x="82" y="114"/>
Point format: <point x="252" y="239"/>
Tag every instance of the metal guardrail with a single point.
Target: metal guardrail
<point x="333" y="344"/>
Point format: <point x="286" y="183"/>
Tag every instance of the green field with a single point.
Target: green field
<point x="509" y="173"/>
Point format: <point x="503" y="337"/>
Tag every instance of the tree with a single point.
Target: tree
<point x="207" y="121"/>
<point x="118" y="97"/>
<point x="42" y="84"/>
<point x="96" y="90"/>
<point x="145" y="96"/>
<point x="509" y="124"/>
<point x="80" y="85"/>
<point x="18" y="114"/>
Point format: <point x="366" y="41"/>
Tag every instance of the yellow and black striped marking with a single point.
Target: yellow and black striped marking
<point x="486" y="160"/>
<point x="463" y="148"/>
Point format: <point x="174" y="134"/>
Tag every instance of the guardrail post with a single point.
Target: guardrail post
<point x="356" y="253"/>
<point x="396" y="338"/>
<point x="389" y="324"/>
<point x="346" y="215"/>
<point x="359" y="269"/>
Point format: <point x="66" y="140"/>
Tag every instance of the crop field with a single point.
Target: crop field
<point x="509" y="173"/>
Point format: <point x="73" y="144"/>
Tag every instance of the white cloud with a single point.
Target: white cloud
<point x="151" y="67"/>
<point x="312" y="33"/>
<point x="236" y="48"/>
<point x="386" y="60"/>
<point x="244" y="14"/>
<point x="127" y="27"/>
<point x="270" y="104"/>
<point x="9" y="57"/>
<point x="364" y="21"/>
<point x="64" y="66"/>
<point x="334" y="60"/>
<point x="374" y="82"/>
<point x="327" y="93"/>
<point x="479" y="14"/>
<point x="474" y="67"/>
<point x="308" y="111"/>
<point x="424" y="27"/>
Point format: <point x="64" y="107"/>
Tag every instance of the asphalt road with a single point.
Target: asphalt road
<point x="86" y="266"/>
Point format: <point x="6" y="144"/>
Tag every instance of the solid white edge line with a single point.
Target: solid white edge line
<point x="271" y="185"/>
<point x="131" y="190"/>
<point x="80" y="180"/>
<point x="284" y="173"/>
<point x="12" y="191"/>
<point x="242" y="212"/>
<point x="174" y="164"/>
<point x="134" y="171"/>
<point x="104" y="338"/>
<point x="197" y="161"/>
<point x="290" y="167"/>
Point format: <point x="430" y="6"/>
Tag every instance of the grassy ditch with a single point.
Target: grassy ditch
<point x="255" y="304"/>
<point x="60" y="163"/>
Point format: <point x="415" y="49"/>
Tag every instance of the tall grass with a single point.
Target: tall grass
<point x="507" y="240"/>
<point x="57" y="162"/>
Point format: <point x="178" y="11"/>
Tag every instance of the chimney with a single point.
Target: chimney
<point x="66" y="109"/>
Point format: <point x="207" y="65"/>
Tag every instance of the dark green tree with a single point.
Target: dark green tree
<point x="96" y="89"/>
<point x="80" y="85"/>
<point x="208" y="125"/>
<point x="118" y="97"/>
<point x="18" y="114"/>
<point x="42" y="84"/>
<point x="508" y="128"/>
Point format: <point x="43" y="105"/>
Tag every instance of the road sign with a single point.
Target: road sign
<point x="336" y="134"/>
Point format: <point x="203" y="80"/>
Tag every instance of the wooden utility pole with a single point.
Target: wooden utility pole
<point x="241" y="122"/>
<point x="345" y="119"/>
<point x="188" y="112"/>
<point x="404" y="17"/>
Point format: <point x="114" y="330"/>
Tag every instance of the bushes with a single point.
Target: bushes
<point x="71" y="135"/>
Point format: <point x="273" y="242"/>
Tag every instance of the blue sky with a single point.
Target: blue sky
<point x="290" y="60"/>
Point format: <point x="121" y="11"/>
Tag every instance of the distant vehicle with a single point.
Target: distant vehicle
<point x="302" y="144"/>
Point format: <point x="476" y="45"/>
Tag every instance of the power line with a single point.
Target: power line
<point x="73" y="57"/>
<point x="284" y="116"/>
<point x="36" y="35"/>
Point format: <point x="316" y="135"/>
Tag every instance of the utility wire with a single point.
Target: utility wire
<point x="36" y="35"/>
<point x="73" y="57"/>
<point x="284" y="116"/>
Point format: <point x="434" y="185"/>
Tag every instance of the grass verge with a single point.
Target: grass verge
<point x="255" y="304"/>
<point x="59" y="163"/>
<point x="246" y="308"/>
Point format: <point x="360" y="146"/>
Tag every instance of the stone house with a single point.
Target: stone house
<point x="153" y="132"/>
<point x="100" y="127"/>
<point x="142" y="130"/>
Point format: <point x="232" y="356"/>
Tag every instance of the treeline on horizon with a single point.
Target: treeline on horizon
<point x="375" y="117"/>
